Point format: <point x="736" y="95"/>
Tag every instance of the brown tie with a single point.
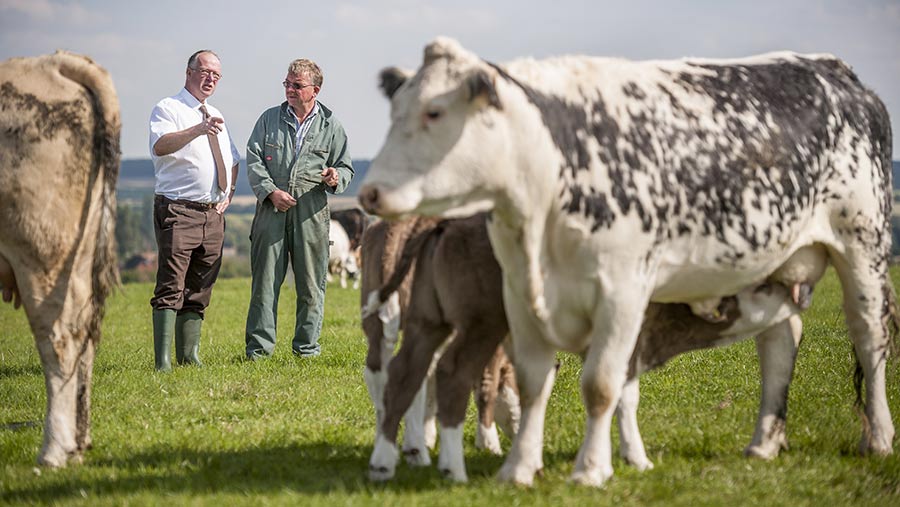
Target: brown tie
<point x="217" y="153"/>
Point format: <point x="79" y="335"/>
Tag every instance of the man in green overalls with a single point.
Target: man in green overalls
<point x="296" y="152"/>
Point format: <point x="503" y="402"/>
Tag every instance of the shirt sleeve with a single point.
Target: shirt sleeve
<point x="162" y="122"/>
<point x="257" y="172"/>
<point x="340" y="160"/>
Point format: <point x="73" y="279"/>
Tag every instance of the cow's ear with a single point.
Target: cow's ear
<point x="391" y="79"/>
<point x="481" y="86"/>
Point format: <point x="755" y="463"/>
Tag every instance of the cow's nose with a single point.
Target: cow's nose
<point x="368" y="199"/>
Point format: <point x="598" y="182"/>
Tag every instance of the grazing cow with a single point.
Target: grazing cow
<point x="341" y="259"/>
<point x="456" y="290"/>
<point x="616" y="183"/>
<point x="456" y="260"/>
<point x="354" y="221"/>
<point x="59" y="161"/>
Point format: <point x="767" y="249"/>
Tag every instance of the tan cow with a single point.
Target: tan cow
<point x="59" y="161"/>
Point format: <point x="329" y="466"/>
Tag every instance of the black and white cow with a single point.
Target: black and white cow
<point x="616" y="183"/>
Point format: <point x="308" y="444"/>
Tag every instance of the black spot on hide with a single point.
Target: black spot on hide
<point x="769" y="139"/>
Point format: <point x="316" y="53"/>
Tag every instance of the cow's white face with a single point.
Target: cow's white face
<point x="441" y="153"/>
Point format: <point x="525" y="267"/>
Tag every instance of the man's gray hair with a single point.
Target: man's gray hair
<point x="192" y="61"/>
<point x="307" y="68"/>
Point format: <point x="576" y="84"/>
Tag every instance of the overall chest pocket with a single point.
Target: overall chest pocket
<point x="273" y="151"/>
<point x="319" y="155"/>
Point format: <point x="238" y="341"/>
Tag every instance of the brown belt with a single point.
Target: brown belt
<point x="200" y="206"/>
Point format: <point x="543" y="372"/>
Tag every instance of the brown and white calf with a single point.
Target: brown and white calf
<point x="456" y="291"/>
<point x="616" y="183"/>
<point x="459" y="250"/>
<point x="381" y="247"/>
<point x="59" y="161"/>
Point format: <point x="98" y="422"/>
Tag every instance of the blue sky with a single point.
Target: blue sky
<point x="145" y="45"/>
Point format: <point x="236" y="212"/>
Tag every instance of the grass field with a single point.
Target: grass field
<point x="291" y="431"/>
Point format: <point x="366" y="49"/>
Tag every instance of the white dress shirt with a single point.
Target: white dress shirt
<point x="189" y="173"/>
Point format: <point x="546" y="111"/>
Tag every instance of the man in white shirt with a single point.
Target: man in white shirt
<point x="195" y="181"/>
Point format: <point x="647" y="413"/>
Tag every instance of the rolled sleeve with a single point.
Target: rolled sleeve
<point x="341" y="161"/>
<point x="162" y="122"/>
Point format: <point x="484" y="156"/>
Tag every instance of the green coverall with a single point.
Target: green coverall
<point x="299" y="235"/>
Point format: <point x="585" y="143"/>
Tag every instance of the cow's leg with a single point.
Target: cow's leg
<point x="869" y="305"/>
<point x="382" y="332"/>
<point x="487" y="391"/>
<point x="534" y="359"/>
<point x="430" y="421"/>
<point x="507" y="409"/>
<point x="407" y="369"/>
<point x="83" y="408"/>
<point x="62" y="384"/>
<point x="616" y="326"/>
<point x="458" y="370"/>
<point x="630" y="441"/>
<point x="415" y="447"/>
<point x="777" y="348"/>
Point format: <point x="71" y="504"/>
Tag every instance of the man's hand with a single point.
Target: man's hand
<point x="330" y="176"/>
<point x="282" y="200"/>
<point x="212" y="125"/>
<point x="222" y="206"/>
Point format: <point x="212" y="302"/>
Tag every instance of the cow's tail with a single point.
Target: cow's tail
<point x="106" y="152"/>
<point x="422" y="230"/>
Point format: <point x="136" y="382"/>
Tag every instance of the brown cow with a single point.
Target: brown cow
<point x="59" y="161"/>
<point x="434" y="309"/>
<point x="381" y="247"/>
<point x="456" y="287"/>
<point x="458" y="284"/>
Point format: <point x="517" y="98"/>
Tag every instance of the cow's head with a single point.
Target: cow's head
<point x="440" y="156"/>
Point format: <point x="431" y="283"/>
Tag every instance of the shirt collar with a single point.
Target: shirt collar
<point x="309" y="117"/>
<point x="189" y="99"/>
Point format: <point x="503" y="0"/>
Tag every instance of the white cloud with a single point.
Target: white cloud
<point x="408" y="14"/>
<point x="51" y="11"/>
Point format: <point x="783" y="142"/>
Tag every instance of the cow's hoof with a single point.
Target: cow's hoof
<point x="765" y="452"/>
<point x="53" y="458"/>
<point x="521" y="475"/>
<point x="380" y="474"/>
<point x="873" y="446"/>
<point x="383" y="461"/>
<point x="488" y="439"/>
<point x="417" y="457"/>
<point x="594" y="478"/>
<point x="640" y="463"/>
<point x="454" y="475"/>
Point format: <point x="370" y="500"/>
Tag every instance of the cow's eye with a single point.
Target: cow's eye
<point x="433" y="114"/>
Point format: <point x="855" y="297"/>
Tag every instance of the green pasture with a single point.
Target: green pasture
<point x="290" y="431"/>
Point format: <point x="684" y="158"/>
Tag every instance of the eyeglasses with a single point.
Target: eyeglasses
<point x="296" y="86"/>
<point x="210" y="74"/>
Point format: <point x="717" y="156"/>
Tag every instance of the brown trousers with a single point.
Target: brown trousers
<point x="189" y="237"/>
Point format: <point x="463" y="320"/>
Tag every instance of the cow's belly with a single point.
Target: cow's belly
<point x="701" y="271"/>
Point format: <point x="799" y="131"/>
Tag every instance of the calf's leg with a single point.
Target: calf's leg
<point x="457" y="372"/>
<point x="405" y="377"/>
<point x="777" y="348"/>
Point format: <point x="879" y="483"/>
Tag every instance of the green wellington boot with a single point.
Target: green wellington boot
<point x="187" y="338"/>
<point x="163" y="328"/>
